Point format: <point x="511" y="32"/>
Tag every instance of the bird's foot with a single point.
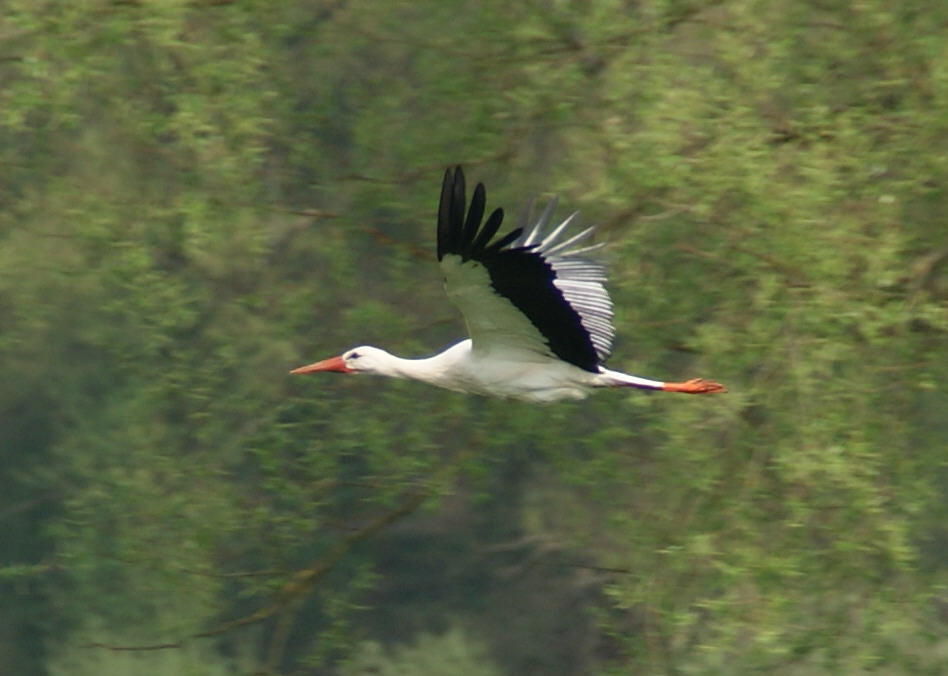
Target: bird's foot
<point x="695" y="386"/>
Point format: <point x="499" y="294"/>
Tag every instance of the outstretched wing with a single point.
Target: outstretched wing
<point x="525" y="291"/>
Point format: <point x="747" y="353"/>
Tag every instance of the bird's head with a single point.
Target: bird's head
<point x="363" y="359"/>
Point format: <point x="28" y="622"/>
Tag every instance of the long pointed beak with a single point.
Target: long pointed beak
<point x="332" y="364"/>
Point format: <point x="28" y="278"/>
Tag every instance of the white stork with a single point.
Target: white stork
<point x="539" y="317"/>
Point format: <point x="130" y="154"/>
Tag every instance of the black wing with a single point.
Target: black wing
<point x="559" y="303"/>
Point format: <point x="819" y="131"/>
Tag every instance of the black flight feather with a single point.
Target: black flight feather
<point x="444" y="215"/>
<point x="474" y="215"/>
<point x="490" y="229"/>
<point x="520" y="275"/>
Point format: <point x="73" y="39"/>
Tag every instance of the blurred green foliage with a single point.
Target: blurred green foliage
<point x="450" y="653"/>
<point x="198" y="196"/>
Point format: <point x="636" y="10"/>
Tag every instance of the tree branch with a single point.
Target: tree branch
<point x="304" y="580"/>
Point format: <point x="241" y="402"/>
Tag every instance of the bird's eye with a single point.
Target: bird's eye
<point x="354" y="355"/>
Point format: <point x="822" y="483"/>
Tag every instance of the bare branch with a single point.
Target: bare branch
<point x="133" y="648"/>
<point x="304" y="580"/>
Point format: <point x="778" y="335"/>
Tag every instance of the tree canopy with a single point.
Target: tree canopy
<point x="199" y="195"/>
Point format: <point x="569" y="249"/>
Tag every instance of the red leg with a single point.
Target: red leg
<point x="695" y="386"/>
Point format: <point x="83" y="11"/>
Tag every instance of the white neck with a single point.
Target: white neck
<point x="431" y="370"/>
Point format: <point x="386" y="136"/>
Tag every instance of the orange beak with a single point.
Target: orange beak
<point x="332" y="364"/>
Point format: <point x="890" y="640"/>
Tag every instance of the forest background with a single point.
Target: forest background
<point x="197" y="196"/>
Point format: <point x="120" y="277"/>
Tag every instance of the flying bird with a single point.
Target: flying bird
<point x="535" y="305"/>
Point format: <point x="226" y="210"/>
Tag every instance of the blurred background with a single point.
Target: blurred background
<point x="196" y="197"/>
